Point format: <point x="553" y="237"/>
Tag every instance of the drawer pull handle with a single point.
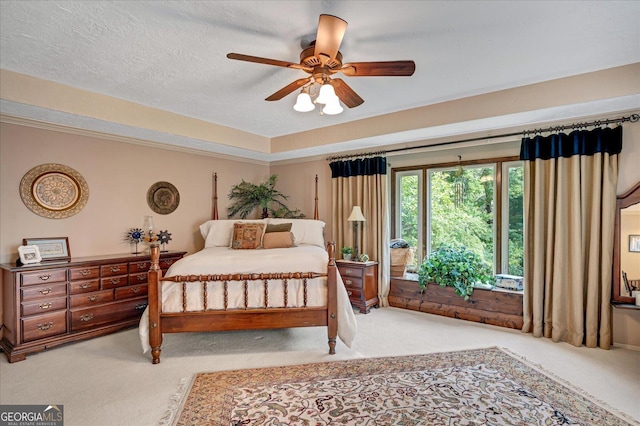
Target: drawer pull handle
<point x="86" y="317"/>
<point x="135" y="290"/>
<point x="45" y="290"/>
<point x="141" y="306"/>
<point x="348" y="271"/>
<point x="141" y="277"/>
<point x="142" y="265"/>
<point x="348" y="282"/>
<point x="85" y="285"/>
<point x="115" y="280"/>
<point x="44" y="277"/>
<point x="45" y="327"/>
<point x="349" y="293"/>
<point x="93" y="298"/>
<point x="45" y="305"/>
<point x="85" y="272"/>
<point x="114" y="268"/>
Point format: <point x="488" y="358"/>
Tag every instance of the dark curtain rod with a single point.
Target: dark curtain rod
<point x="596" y="123"/>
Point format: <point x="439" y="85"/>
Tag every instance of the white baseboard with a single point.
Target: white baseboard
<point x="625" y="346"/>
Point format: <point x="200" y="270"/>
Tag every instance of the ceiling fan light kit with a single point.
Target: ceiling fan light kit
<point x="322" y="59"/>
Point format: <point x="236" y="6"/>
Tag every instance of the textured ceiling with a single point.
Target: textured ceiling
<point x="171" y="55"/>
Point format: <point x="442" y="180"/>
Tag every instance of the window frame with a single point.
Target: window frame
<point x="500" y="166"/>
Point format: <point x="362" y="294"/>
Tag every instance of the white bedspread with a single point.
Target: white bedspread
<point x="223" y="260"/>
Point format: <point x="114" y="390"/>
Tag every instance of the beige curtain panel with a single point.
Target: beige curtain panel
<point x="363" y="182"/>
<point x="570" y="198"/>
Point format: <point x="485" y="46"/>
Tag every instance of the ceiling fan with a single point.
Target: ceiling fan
<point x="322" y="59"/>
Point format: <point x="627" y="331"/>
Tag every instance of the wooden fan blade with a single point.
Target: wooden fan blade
<point x="267" y="61"/>
<point x="288" y="89"/>
<point x="379" y="69"/>
<point x="346" y="93"/>
<point x="331" y="30"/>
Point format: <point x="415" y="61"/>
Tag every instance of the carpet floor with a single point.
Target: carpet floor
<point x="489" y="386"/>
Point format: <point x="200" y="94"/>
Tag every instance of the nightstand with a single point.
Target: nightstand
<point x="361" y="281"/>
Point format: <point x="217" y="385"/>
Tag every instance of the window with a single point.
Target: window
<point x="478" y="205"/>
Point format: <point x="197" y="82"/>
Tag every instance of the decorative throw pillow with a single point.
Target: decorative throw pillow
<point x="247" y="235"/>
<point x="305" y="231"/>
<point x="280" y="227"/>
<point x="277" y="240"/>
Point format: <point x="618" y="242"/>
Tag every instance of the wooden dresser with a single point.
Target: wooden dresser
<point x="361" y="281"/>
<point x="47" y="305"/>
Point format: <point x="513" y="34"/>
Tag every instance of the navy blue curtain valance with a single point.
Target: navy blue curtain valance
<point x="578" y="142"/>
<point x="359" y="167"/>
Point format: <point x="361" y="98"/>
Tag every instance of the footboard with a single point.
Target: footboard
<point x="245" y="317"/>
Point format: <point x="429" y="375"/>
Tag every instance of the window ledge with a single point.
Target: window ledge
<point x="412" y="276"/>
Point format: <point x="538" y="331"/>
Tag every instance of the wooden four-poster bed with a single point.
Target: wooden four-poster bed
<point x="274" y="286"/>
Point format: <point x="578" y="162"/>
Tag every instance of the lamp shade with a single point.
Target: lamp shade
<point x="356" y="215"/>
<point x="147" y="225"/>
<point x="326" y="94"/>
<point x="303" y="103"/>
<point x="333" y="107"/>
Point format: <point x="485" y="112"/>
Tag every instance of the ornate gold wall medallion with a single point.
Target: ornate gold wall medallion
<point x="163" y="198"/>
<point x="54" y="191"/>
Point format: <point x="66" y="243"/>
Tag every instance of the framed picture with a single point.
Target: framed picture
<point x="634" y="243"/>
<point x="51" y="249"/>
<point x="29" y="254"/>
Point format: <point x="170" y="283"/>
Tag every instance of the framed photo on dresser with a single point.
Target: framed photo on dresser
<point x="29" y="254"/>
<point x="51" y="249"/>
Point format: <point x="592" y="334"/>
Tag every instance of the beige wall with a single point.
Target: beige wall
<point x="119" y="175"/>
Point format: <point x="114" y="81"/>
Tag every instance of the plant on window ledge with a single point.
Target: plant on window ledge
<point x="248" y="196"/>
<point x="454" y="267"/>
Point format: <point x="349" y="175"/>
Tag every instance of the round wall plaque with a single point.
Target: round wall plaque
<point x="54" y="191"/>
<point x="163" y="198"/>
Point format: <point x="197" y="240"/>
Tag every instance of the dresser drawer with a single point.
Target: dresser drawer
<point x="131" y="291"/>
<point x="140" y="278"/>
<point x="42" y="277"/>
<point x="44" y="306"/>
<point x="114" y="282"/>
<point x="346" y="271"/>
<point x="48" y="290"/>
<point x="92" y="317"/>
<point x="90" y="299"/>
<point x="40" y="326"/>
<point x="84" y="286"/>
<point x="84" y="273"/>
<point x="355" y="294"/>
<point x="166" y="263"/>
<point x="142" y="266"/>
<point x="113" y="270"/>
<point x="351" y="282"/>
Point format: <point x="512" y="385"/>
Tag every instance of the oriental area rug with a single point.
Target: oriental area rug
<point x="475" y="387"/>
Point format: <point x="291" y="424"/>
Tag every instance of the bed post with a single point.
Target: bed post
<point x="315" y="209"/>
<point x="214" y="216"/>
<point x="155" y="303"/>
<point x="332" y="297"/>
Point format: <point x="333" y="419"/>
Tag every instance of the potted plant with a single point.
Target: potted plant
<point x="347" y="252"/>
<point x="248" y="196"/>
<point x="455" y="267"/>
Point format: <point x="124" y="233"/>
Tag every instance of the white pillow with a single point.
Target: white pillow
<point x="305" y="231"/>
<point x="217" y="233"/>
